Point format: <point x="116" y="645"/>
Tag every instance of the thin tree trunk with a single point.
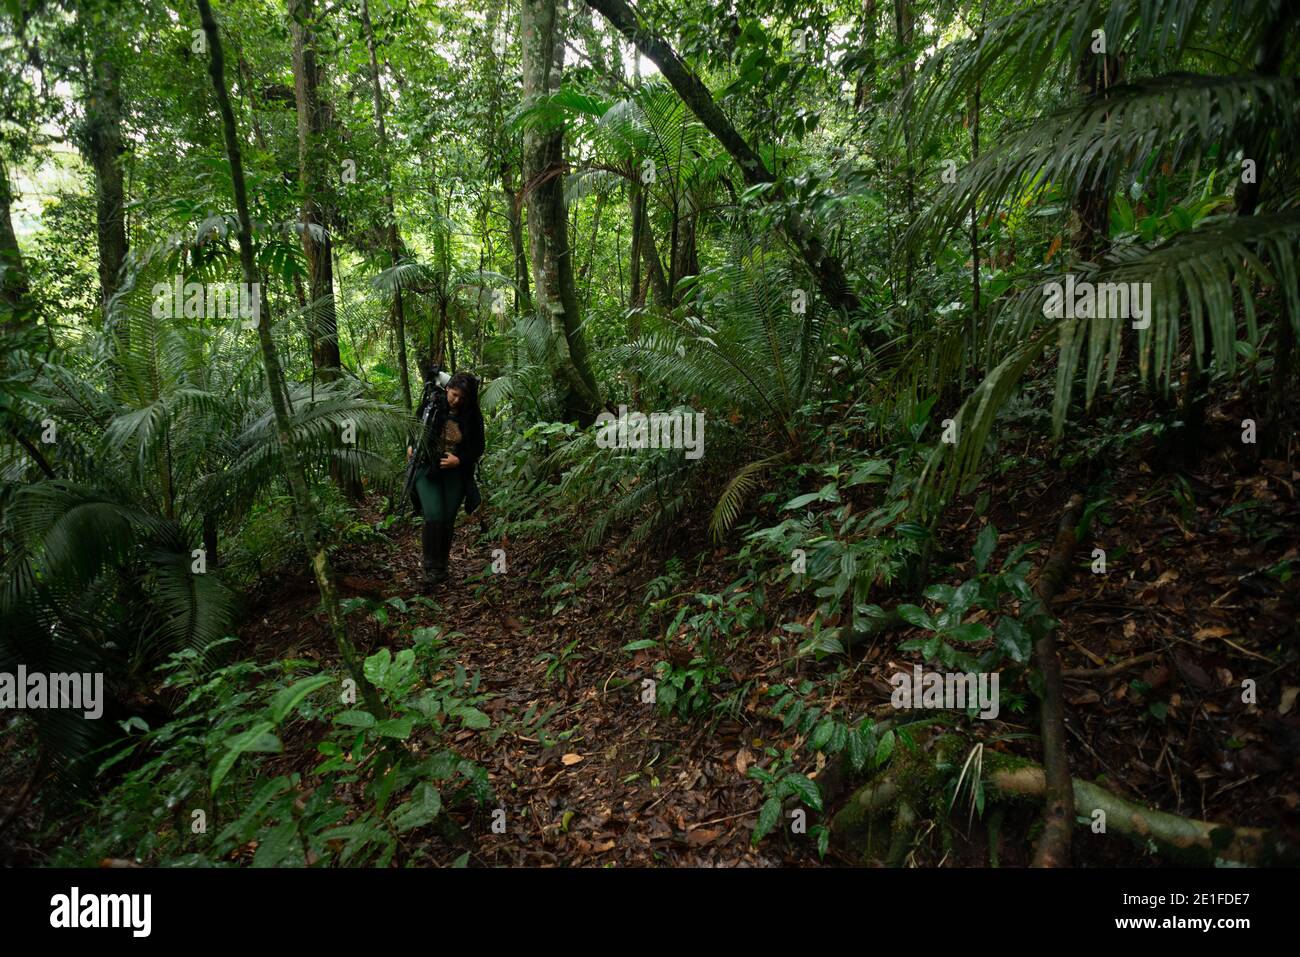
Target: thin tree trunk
<point x="515" y="220"/>
<point x="1053" y="848"/>
<point x="974" y="228"/>
<point x="655" y="277"/>
<point x="687" y="258"/>
<point x="211" y="539"/>
<point x="904" y="27"/>
<point x="394" y="236"/>
<point x="303" y="506"/>
<point x="866" y="84"/>
<point x="637" y="201"/>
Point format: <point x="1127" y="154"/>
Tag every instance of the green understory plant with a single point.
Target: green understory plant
<point x="212" y="784"/>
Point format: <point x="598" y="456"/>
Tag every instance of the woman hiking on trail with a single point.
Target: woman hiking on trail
<point x="444" y="485"/>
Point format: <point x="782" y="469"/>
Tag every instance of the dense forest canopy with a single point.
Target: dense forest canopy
<point x="835" y="357"/>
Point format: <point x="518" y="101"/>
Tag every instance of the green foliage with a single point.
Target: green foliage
<point x="206" y="787"/>
<point x="1007" y="638"/>
<point x="693" y="644"/>
<point x="1175" y="106"/>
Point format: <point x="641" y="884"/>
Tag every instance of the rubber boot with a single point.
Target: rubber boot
<point x="444" y="550"/>
<point x="431" y="541"/>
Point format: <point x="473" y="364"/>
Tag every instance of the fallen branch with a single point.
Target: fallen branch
<point x="1110" y="670"/>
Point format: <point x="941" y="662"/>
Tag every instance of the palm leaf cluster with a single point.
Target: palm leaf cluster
<point x="744" y="348"/>
<point x="163" y="436"/>
<point x="1216" y="280"/>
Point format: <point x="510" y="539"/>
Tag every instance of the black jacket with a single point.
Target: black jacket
<point x="469" y="450"/>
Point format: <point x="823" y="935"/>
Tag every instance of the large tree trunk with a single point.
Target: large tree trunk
<point x="313" y="178"/>
<point x="826" y="269"/>
<point x="304" y="508"/>
<point x="394" y="237"/>
<point x="102" y="141"/>
<point x="15" y="295"/>
<point x="548" y="228"/>
<point x="503" y="147"/>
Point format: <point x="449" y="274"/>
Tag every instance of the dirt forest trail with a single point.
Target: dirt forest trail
<point x="605" y="779"/>
<point x="1154" y="654"/>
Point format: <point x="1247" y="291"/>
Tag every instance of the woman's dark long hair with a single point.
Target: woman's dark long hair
<point x="469" y="411"/>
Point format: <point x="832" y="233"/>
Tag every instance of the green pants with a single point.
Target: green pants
<point x="441" y="495"/>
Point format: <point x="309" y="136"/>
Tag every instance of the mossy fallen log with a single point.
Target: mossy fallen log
<point x="868" y="825"/>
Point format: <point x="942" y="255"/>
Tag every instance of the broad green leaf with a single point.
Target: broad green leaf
<point x="885" y="748"/>
<point x="969" y="632"/>
<point x="806" y="789"/>
<point x="768" y="816"/>
<point x="424" y="806"/>
<point x="258" y="738"/>
<point x="472" y="718"/>
<point x="287" y="699"/>
<point x="277" y="844"/>
<point x="984" y="546"/>
<point x="822" y="735"/>
<point x="916" y="616"/>
<point x="857" y="748"/>
<point x="940" y="593"/>
<point x="641" y="644"/>
<point x="1013" y="640"/>
<point x="399" y="728"/>
<point x="355" y="719"/>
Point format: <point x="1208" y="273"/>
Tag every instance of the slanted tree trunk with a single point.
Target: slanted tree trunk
<point x="393" y="235"/>
<point x="303" y="506"/>
<point x="548" y="228"/>
<point x="654" y="269"/>
<point x="826" y="269"/>
<point x="308" y="76"/>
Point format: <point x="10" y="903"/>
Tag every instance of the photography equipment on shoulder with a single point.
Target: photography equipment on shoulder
<point x="428" y="442"/>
